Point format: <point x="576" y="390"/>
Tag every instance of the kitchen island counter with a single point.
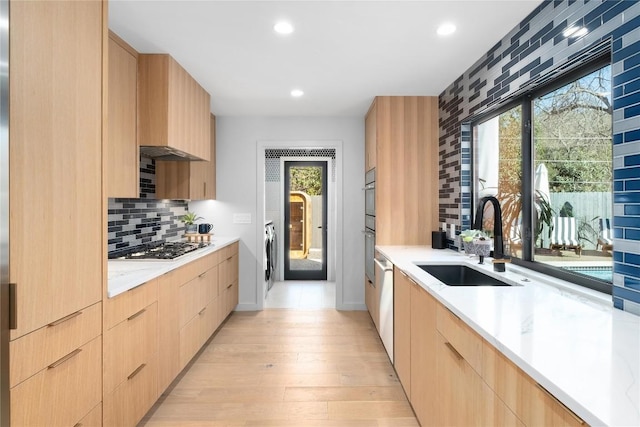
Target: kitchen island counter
<point x="124" y="275"/>
<point x="569" y="339"/>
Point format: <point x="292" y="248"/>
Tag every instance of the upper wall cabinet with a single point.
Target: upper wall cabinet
<point x="121" y="149"/>
<point x="188" y="180"/>
<point x="173" y="111"/>
<point x="406" y="162"/>
<point x="370" y="129"/>
<point x="55" y="159"/>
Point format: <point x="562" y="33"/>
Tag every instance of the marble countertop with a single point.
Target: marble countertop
<point x="124" y="275"/>
<point x="568" y="338"/>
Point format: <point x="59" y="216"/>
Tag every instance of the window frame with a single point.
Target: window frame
<point x="525" y="102"/>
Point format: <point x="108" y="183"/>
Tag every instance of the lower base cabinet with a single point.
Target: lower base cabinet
<point x="128" y="403"/>
<point x="453" y="377"/>
<point x="63" y="393"/>
<point x="93" y="418"/>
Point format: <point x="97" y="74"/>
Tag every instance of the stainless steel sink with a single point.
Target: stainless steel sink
<point x="461" y="275"/>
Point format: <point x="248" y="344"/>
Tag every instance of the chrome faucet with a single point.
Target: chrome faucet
<point x="498" y="248"/>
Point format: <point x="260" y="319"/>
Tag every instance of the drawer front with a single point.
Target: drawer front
<point x="130" y="344"/>
<point x="460" y="337"/>
<point x="191" y="338"/>
<point x="197" y="331"/>
<point x="92" y="419"/>
<point x="33" y="352"/>
<point x="197" y="293"/>
<point x="195" y="268"/>
<point x="128" y="403"/>
<point x="124" y="305"/>
<point x="63" y="393"/>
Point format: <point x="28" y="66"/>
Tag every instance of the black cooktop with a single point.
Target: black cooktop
<point x="158" y="251"/>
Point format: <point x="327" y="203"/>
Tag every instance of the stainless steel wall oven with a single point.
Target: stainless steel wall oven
<point x="370" y="224"/>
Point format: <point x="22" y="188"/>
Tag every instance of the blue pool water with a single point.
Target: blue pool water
<point x="600" y="273"/>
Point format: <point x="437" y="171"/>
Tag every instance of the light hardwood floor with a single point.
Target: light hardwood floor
<point x="288" y="368"/>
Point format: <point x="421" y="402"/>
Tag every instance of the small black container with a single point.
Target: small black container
<point x="439" y="239"/>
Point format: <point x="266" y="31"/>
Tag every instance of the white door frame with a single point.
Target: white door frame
<point x="335" y="235"/>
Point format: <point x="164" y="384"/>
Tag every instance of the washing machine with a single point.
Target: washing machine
<point x="270" y="253"/>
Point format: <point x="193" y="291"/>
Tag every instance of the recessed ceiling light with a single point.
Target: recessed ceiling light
<point x="446" y="29"/>
<point x="283" y="27"/>
<point x="297" y="93"/>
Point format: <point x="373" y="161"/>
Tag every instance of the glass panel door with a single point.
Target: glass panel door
<point x="305" y="220"/>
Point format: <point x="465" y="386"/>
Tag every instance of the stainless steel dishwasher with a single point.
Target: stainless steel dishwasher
<point x="384" y="293"/>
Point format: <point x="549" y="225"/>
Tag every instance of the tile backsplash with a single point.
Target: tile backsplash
<point x="133" y="222"/>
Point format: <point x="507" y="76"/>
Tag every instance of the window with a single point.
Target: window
<point x="554" y="180"/>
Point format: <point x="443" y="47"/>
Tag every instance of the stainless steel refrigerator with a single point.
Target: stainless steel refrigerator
<point x="4" y="213"/>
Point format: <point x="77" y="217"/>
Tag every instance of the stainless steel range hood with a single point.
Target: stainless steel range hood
<point x="167" y="154"/>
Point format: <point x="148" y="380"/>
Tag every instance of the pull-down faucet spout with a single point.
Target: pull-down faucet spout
<point x="498" y="248"/>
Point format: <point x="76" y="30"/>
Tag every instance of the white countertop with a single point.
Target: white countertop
<point x="127" y="274"/>
<point x="568" y="338"/>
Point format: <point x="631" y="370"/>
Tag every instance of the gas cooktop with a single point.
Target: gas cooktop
<point x="164" y="251"/>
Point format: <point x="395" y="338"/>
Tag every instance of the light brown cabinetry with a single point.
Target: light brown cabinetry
<point x="228" y="281"/>
<point x="130" y="354"/>
<point x="453" y="377"/>
<point x="188" y="180"/>
<point x="521" y="394"/>
<point x="174" y="110"/>
<point x="121" y="158"/>
<point x="51" y="364"/>
<point x="168" y="328"/>
<point x="55" y="159"/>
<point x="406" y="162"/>
<point x="424" y="339"/>
<point x="197" y="313"/>
<point x="370" y="137"/>
<point x="402" y="328"/>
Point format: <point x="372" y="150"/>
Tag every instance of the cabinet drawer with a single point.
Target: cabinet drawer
<point x="194" y="334"/>
<point x="195" y="268"/>
<point x="124" y="305"/>
<point x="521" y="394"/>
<point x="197" y="293"/>
<point x="62" y="393"/>
<point x="92" y="419"/>
<point x="33" y="352"/>
<point x="130" y="344"/>
<point x="128" y="403"/>
<point x="460" y="337"/>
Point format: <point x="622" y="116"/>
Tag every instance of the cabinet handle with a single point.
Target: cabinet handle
<point x="65" y="358"/>
<point x="575" y="417"/>
<point x="65" y="318"/>
<point x="454" y="351"/>
<point x="78" y="425"/>
<point x="202" y="311"/>
<point x="202" y="275"/>
<point x="133" y="316"/>
<point x="13" y="307"/>
<point x="230" y="286"/>
<point x="205" y="190"/>
<point x="137" y="371"/>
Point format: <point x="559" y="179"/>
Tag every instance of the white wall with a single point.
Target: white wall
<point x="236" y="148"/>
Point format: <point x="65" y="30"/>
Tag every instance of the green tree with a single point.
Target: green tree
<point x="307" y="179"/>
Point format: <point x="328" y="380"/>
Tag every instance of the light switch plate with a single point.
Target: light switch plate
<point x="242" y="218"/>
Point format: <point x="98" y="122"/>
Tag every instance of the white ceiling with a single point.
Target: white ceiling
<point x="342" y="53"/>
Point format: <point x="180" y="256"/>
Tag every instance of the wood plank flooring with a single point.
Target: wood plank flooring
<point x="321" y="368"/>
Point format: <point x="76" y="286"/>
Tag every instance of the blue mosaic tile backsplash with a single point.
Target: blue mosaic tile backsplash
<point x="134" y="222"/>
<point x="530" y="55"/>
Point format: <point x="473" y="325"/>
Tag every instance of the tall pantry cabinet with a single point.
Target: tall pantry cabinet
<point x="401" y="142"/>
<point x="56" y="106"/>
